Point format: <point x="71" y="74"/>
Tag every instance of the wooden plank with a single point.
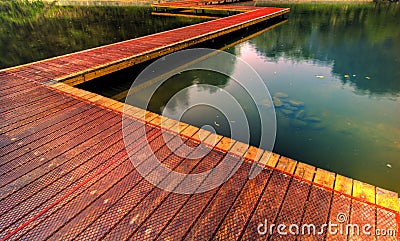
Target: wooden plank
<point x="181" y="127"/>
<point x="324" y="178"/>
<point x="95" y="98"/>
<point x="364" y="191"/>
<point x="140" y="114"/>
<point x="387" y="199"/>
<point x="387" y="221"/>
<point x="212" y="139"/>
<point x="101" y="100"/>
<point x="132" y="111"/>
<point x="225" y="144"/>
<point x="269" y="159"/>
<point x="58" y="86"/>
<point x="64" y="87"/>
<point x="272" y="160"/>
<point x="239" y="148"/>
<point x="79" y="93"/>
<point x="305" y="171"/>
<point x="241" y="210"/>
<point x="105" y="102"/>
<point x="361" y="212"/>
<point x="268" y="206"/>
<point x="254" y="154"/>
<point x="169" y="124"/>
<point x="286" y="164"/>
<point x="343" y="184"/>
<point x="157" y="120"/>
<point x="201" y="135"/>
<point x="149" y="116"/>
<point x="189" y="131"/>
<point x="118" y="106"/>
<point x="340" y="207"/>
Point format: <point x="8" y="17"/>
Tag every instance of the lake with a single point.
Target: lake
<point x="332" y="70"/>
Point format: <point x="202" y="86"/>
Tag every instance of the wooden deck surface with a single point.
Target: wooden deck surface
<point x="65" y="172"/>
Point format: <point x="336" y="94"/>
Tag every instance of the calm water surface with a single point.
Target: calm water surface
<point x="333" y="71"/>
<point x="334" y="74"/>
<point x="343" y="64"/>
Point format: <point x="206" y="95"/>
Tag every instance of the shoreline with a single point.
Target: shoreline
<point x="149" y="2"/>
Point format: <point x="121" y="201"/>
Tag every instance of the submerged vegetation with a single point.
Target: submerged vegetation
<point x="352" y="37"/>
<point x="31" y="30"/>
<point x="20" y="11"/>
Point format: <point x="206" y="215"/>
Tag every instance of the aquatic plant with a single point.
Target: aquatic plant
<point x="20" y="11"/>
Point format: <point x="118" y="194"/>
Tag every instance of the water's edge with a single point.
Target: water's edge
<point x="148" y="2"/>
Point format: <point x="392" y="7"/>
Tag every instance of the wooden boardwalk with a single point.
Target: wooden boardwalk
<point x="85" y="65"/>
<point x="65" y="173"/>
<point x="205" y="8"/>
<point x="195" y="6"/>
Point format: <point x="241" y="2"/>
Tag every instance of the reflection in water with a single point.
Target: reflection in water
<point x="361" y="42"/>
<point x="191" y="93"/>
<point x="177" y="83"/>
<point x="340" y="64"/>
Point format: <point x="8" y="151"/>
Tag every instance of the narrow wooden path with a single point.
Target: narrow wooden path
<point x="86" y="65"/>
<point x="65" y="172"/>
<point x="196" y="6"/>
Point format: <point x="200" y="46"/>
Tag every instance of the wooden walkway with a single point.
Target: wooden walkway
<point x="85" y="65"/>
<point x="195" y="6"/>
<point x="192" y="8"/>
<point x="65" y="173"/>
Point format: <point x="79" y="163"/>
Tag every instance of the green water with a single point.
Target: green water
<point x="343" y="63"/>
<point x="334" y="70"/>
<point x="31" y="32"/>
